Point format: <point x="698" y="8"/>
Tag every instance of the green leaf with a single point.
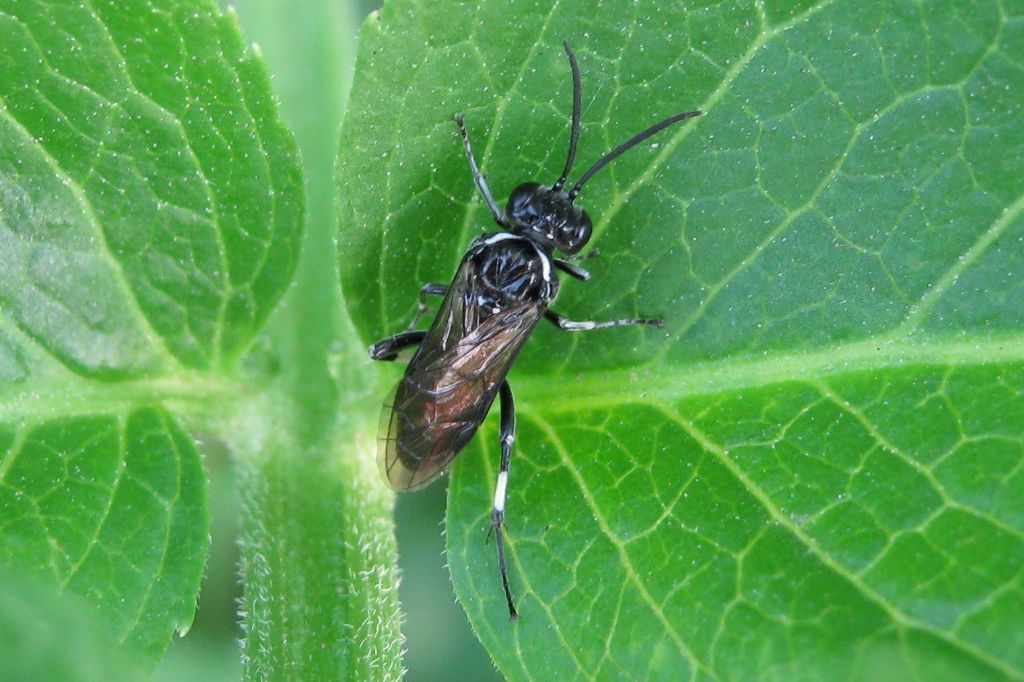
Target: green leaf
<point x="150" y="214"/>
<point x="110" y="507"/>
<point x="815" y="470"/>
<point x="46" y="637"/>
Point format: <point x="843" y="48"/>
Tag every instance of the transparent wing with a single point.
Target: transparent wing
<point x="434" y="410"/>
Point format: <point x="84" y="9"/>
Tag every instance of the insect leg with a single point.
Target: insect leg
<point x="387" y="349"/>
<point x="587" y="325"/>
<point x="569" y="266"/>
<point x="478" y="177"/>
<point x="508" y="436"/>
<point x="421" y="309"/>
<point x="573" y="270"/>
<point x="593" y="253"/>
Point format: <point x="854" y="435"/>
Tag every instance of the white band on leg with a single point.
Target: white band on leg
<point x="499" y="491"/>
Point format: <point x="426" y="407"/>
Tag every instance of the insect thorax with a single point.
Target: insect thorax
<point x="514" y="269"/>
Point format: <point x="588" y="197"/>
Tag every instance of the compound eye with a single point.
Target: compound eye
<point x="577" y="234"/>
<point x="522" y="205"/>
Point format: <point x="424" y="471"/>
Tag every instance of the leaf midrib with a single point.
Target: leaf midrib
<point x="662" y="381"/>
<point x="605" y="388"/>
<point x="189" y="393"/>
<point x="729" y="375"/>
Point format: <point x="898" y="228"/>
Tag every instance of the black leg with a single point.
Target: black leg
<point x="387" y="349"/>
<point x="587" y="325"/>
<point x="569" y="266"/>
<point x="421" y="309"/>
<point x="573" y="270"/>
<point x="508" y="436"/>
<point x="478" y="177"/>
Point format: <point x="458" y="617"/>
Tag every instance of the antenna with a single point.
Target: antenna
<point x="627" y="145"/>
<point x="577" y="96"/>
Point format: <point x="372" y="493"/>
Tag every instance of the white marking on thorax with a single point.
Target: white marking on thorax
<point x="499" y="491"/>
<point x="544" y="260"/>
<point x="500" y="237"/>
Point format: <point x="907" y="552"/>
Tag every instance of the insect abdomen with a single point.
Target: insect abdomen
<point x="432" y="417"/>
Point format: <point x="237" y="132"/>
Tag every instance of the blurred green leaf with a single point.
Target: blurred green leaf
<point x="48" y="637"/>
<point x="815" y="470"/>
<point x="150" y="214"/>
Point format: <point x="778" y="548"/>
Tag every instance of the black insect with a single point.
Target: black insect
<point x="501" y="291"/>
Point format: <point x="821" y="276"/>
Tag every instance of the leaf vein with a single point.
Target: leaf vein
<point x="900" y="619"/>
<point x="949" y="278"/>
<point x="94" y="541"/>
<point x="624" y="558"/>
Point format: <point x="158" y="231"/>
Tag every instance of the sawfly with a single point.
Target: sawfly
<point x="501" y="291"/>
